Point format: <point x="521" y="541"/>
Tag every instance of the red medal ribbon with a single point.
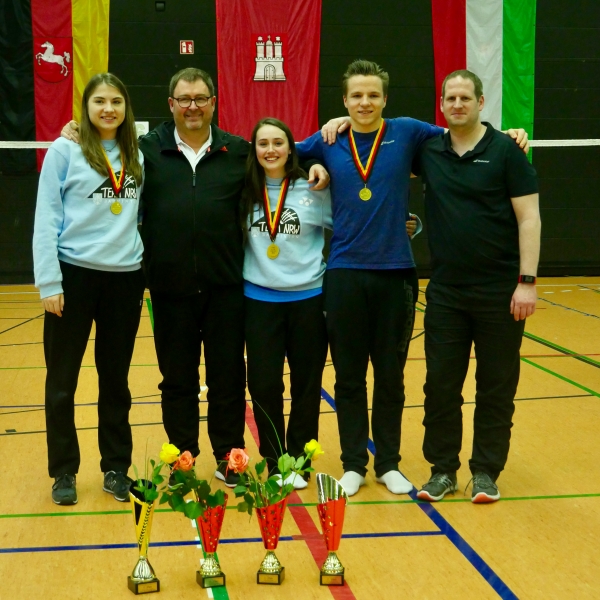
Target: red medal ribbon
<point x="365" y="171"/>
<point x="117" y="186"/>
<point x="273" y="222"/>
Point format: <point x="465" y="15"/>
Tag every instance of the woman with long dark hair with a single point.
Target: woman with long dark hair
<point x="284" y="222"/>
<point x="87" y="255"/>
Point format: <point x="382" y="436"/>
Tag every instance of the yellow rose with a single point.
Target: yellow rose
<point x="169" y="453"/>
<point x="313" y="450"/>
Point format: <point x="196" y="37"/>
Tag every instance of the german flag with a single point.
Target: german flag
<point x="55" y="47"/>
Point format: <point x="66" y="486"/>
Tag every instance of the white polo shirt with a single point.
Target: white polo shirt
<point x="189" y="152"/>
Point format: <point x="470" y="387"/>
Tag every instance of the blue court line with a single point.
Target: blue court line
<point x="284" y="538"/>
<point x="446" y="529"/>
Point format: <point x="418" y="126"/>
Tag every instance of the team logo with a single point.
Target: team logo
<point x="289" y="223"/>
<point x="269" y="59"/>
<point x="52" y="58"/>
<point x="105" y="193"/>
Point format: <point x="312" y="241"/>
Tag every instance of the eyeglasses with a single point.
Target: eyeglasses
<point x="200" y="101"/>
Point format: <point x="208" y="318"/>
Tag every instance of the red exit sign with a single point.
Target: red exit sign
<point x="186" y="47"/>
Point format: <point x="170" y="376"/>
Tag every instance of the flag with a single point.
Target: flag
<point x="268" y="64"/>
<point x="70" y="44"/>
<point x="495" y="39"/>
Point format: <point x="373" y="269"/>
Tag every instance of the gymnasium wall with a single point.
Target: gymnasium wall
<point x="144" y="52"/>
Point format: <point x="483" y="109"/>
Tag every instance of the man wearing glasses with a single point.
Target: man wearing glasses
<point x="193" y="257"/>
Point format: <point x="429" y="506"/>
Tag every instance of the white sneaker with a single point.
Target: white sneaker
<point x="395" y="482"/>
<point x="296" y="480"/>
<point x="351" y="481"/>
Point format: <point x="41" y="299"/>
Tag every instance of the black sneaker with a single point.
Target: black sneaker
<point x="231" y="478"/>
<point x="63" y="490"/>
<point x="117" y="484"/>
<point x="437" y="487"/>
<point x="484" y="489"/>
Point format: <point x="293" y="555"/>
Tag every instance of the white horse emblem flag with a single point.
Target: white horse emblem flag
<point x="52" y="58"/>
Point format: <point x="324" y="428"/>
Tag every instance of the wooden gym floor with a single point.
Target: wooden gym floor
<point x="539" y="541"/>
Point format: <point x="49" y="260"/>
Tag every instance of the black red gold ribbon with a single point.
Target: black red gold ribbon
<point x="116" y="185"/>
<point x="365" y="171"/>
<point x="273" y="221"/>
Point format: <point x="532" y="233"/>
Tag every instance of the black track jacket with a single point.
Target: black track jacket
<point x="190" y="226"/>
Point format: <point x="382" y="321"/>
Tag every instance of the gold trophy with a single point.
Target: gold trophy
<point x="209" y="529"/>
<point x="270" y="520"/>
<point x="142" y="580"/>
<point x="331" y="508"/>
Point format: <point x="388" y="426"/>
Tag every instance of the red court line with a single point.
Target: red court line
<point x="308" y="530"/>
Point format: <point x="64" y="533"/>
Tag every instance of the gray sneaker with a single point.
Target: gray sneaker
<point x="484" y="489"/>
<point x="437" y="487"/>
<point x="117" y="484"/>
<point x="64" y="491"/>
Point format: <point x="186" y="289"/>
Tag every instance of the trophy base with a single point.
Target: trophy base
<point x="332" y="579"/>
<point x="143" y="587"/>
<point x="210" y="581"/>
<point x="271" y="578"/>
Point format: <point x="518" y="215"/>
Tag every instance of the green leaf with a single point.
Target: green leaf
<point x="151" y="495"/>
<point x="137" y="476"/>
<point x="164" y="498"/>
<point x="216" y="499"/>
<point x="193" y="510"/>
<point x="152" y="462"/>
<point x="243" y="507"/>
<point x="177" y="502"/>
<point x="272" y="485"/>
<point x="260" y="467"/>
<point x="285" y="464"/>
<point x="300" y="462"/>
<point x="238" y="490"/>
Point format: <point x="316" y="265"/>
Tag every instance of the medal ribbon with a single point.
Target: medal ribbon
<point x="117" y="186"/>
<point x="365" y="172"/>
<point x="273" y="223"/>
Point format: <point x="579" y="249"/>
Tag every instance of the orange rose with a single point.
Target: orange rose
<point x="186" y="461"/>
<point x="238" y="460"/>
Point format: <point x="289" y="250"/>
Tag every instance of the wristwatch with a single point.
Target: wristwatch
<point x="527" y="279"/>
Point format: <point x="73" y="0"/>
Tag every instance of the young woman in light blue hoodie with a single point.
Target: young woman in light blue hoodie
<point x="87" y="261"/>
<point x="283" y="278"/>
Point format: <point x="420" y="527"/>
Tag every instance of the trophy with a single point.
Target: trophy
<point x="209" y="530"/>
<point x="331" y="508"/>
<point x="270" y="520"/>
<point x="142" y="580"/>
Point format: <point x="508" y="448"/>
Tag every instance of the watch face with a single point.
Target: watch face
<point x="527" y="279"/>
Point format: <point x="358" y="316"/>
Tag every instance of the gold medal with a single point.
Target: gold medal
<point x="365" y="194"/>
<point x="365" y="171"/>
<point x="273" y="251"/>
<point x="116" y="208"/>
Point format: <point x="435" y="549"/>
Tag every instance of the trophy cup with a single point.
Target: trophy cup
<point x="331" y="508"/>
<point x="209" y="530"/>
<point x="142" y="580"/>
<point x="270" y="520"/>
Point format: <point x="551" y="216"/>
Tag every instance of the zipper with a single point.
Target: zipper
<point x="194" y="224"/>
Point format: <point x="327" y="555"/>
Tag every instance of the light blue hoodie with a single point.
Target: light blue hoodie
<point x="300" y="266"/>
<point x="73" y="220"/>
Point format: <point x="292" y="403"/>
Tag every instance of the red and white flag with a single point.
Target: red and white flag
<point x="495" y="39"/>
<point x="268" y="64"/>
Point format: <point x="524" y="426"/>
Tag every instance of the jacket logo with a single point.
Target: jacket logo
<point x="105" y="193"/>
<point x="269" y="60"/>
<point x="51" y="62"/>
<point x="289" y="223"/>
<point x="481" y="161"/>
<point x="306" y="201"/>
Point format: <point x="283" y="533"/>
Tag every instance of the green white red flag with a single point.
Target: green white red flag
<point x="496" y="40"/>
